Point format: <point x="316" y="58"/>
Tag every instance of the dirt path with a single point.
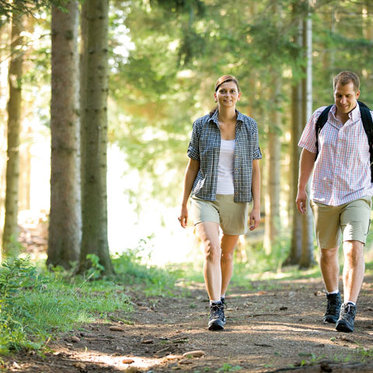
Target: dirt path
<point x="271" y="328"/>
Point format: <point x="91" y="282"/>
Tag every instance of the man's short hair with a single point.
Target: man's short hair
<point x="346" y="77"/>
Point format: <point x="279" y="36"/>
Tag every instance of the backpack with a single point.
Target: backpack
<point x="366" y="118"/>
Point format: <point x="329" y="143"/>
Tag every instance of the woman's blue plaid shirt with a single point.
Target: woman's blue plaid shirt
<point x="204" y="147"/>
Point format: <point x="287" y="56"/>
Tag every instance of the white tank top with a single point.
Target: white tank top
<point x="225" y="168"/>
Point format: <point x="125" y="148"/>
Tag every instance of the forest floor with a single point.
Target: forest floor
<point x="274" y="326"/>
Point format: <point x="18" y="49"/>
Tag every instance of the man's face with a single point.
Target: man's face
<point x="345" y="97"/>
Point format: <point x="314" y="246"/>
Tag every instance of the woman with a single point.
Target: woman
<point x="223" y="176"/>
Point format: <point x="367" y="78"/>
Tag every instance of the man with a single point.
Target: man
<point x="341" y="194"/>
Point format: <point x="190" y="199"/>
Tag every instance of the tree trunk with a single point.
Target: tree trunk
<point x="296" y="235"/>
<point x="94" y="143"/>
<point x="367" y="20"/>
<point x="24" y="185"/>
<point x="307" y="257"/>
<point x="296" y="124"/>
<point x="10" y="233"/>
<point x="65" y="211"/>
<point x="4" y="35"/>
<point x="272" y="205"/>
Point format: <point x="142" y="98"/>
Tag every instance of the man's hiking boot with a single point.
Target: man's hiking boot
<point x="346" y="319"/>
<point x="333" y="308"/>
<point x="216" y="319"/>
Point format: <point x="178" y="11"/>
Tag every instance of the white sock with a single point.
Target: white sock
<point x="333" y="292"/>
<point x="353" y="303"/>
<point x="215" y="301"/>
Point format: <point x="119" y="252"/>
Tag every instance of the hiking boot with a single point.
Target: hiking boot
<point x="333" y="308"/>
<point x="346" y="319"/>
<point x="224" y="307"/>
<point x="216" y="319"/>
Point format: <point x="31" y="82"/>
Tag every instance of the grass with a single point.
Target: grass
<point x="37" y="305"/>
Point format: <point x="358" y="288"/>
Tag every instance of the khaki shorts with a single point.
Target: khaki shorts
<point x="231" y="216"/>
<point x="351" y="219"/>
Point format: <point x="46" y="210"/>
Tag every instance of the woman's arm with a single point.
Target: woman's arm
<point x="190" y="175"/>
<point x="255" y="190"/>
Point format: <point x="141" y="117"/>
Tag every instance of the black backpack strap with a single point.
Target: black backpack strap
<point x="321" y="120"/>
<point x="366" y="118"/>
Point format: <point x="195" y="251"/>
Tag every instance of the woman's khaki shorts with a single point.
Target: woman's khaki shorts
<point x="351" y="219"/>
<point x="231" y="216"/>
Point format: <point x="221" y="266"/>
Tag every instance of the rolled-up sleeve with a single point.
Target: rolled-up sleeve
<point x="308" y="137"/>
<point x="257" y="154"/>
<point x="193" y="148"/>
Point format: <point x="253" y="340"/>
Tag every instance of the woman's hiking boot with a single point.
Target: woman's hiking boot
<point x="333" y="308"/>
<point x="216" y="319"/>
<point x="346" y="319"/>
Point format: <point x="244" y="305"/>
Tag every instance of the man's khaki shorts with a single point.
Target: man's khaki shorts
<point x="231" y="216"/>
<point x="352" y="219"/>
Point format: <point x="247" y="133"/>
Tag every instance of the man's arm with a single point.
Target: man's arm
<point x="306" y="163"/>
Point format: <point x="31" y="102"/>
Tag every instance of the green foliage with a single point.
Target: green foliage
<point x="28" y="7"/>
<point x="366" y="354"/>
<point x="132" y="268"/>
<point x="96" y="269"/>
<point x="257" y="261"/>
<point x="64" y="301"/>
<point x="36" y="305"/>
<point x="180" y="47"/>
<point x="229" y="368"/>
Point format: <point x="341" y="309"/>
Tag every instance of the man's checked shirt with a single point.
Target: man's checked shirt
<point x="342" y="168"/>
<point x="204" y="147"/>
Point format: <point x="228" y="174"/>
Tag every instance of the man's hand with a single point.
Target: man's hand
<point x="301" y="201"/>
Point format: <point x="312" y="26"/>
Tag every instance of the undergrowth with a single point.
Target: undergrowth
<point x="37" y="304"/>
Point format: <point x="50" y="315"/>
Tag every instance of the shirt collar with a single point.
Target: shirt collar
<point x="215" y="117"/>
<point x="354" y="114"/>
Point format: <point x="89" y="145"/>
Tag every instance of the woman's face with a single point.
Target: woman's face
<point x="227" y="95"/>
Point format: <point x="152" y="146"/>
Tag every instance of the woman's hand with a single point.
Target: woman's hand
<point x="183" y="218"/>
<point x="254" y="219"/>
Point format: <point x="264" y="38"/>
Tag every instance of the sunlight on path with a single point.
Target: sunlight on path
<point x="118" y="362"/>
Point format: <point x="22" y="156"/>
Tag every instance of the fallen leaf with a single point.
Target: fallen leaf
<point x="115" y="328"/>
<point x="197" y="353"/>
<point x="128" y="361"/>
<point x="16" y="365"/>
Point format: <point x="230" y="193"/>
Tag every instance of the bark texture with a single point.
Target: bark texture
<point x="94" y="86"/>
<point x="65" y="212"/>
<point x="10" y="233"/>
